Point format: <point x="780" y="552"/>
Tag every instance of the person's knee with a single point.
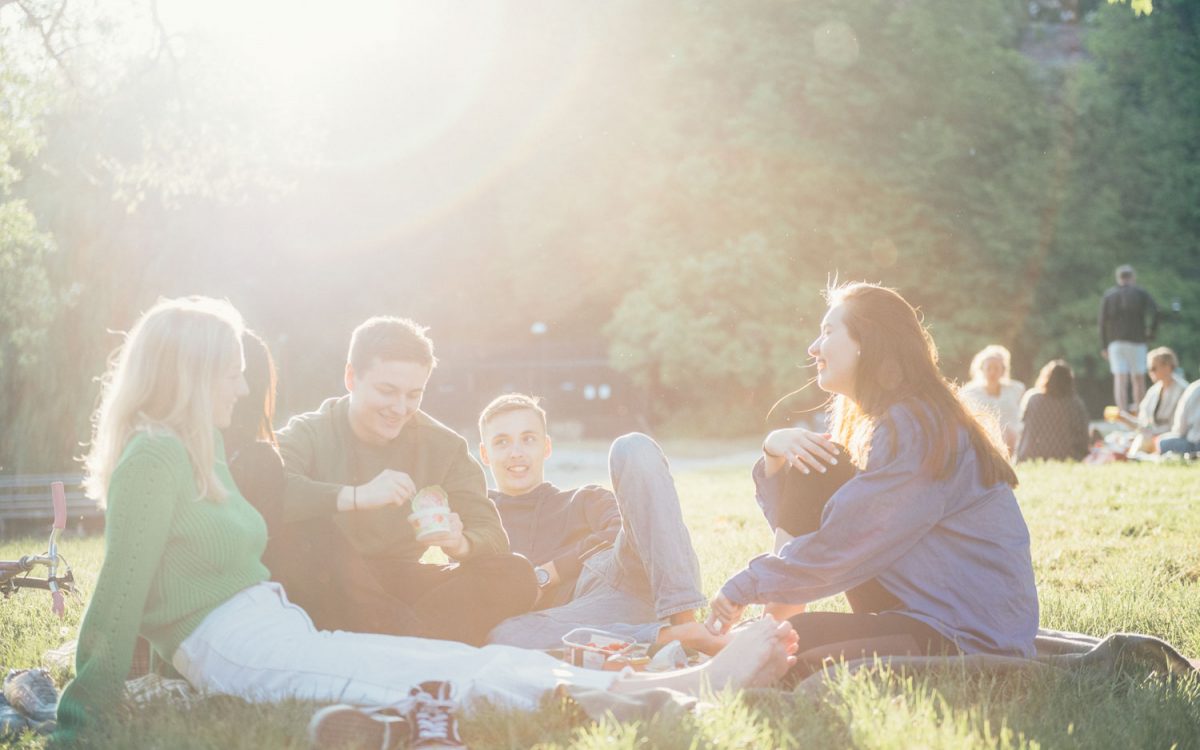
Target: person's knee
<point x="509" y="631"/>
<point x="509" y="575"/>
<point x="633" y="450"/>
<point x="523" y="631"/>
<point x="503" y="564"/>
<point x="1175" y="445"/>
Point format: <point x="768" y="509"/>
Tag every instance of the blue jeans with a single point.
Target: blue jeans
<point x="649" y="574"/>
<point x="1177" y="445"/>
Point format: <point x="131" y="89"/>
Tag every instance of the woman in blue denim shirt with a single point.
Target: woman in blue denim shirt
<point x="926" y="522"/>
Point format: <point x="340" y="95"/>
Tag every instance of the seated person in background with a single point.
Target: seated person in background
<point x="1158" y="406"/>
<point x="1184" y="436"/>
<point x="1054" y="419"/>
<point x="991" y="389"/>
<point x="352" y="468"/>
<point x="621" y="561"/>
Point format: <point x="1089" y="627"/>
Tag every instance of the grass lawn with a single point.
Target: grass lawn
<point x="1116" y="548"/>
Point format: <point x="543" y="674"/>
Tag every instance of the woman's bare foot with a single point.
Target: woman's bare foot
<point x="758" y="656"/>
<point x="695" y="635"/>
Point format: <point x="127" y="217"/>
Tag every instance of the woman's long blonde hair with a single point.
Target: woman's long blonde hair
<point x="162" y="380"/>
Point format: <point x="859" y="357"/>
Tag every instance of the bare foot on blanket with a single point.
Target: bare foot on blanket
<point x="695" y="635"/>
<point x="758" y="656"/>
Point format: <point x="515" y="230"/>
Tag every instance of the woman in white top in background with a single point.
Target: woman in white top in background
<point x="1157" y="409"/>
<point x="991" y="389"/>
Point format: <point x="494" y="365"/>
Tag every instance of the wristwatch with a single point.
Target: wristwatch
<point x="543" y="576"/>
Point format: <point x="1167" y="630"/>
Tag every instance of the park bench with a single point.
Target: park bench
<point x="25" y="500"/>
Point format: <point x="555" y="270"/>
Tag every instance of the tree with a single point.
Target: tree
<point x="112" y="129"/>
<point x="867" y="140"/>
<point x="1132" y="187"/>
<point x="27" y="302"/>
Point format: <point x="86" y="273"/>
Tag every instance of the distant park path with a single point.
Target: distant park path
<point x="586" y="462"/>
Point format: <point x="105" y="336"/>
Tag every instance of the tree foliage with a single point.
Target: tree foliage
<point x="1131" y="185"/>
<point x="680" y="178"/>
<point x="901" y="143"/>
<point x="997" y="193"/>
<point x="27" y="300"/>
<point x="107" y="131"/>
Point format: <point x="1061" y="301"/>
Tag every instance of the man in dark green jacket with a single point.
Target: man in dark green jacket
<point x="353" y="466"/>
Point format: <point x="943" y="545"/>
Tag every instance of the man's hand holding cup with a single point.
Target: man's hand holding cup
<point x="435" y="525"/>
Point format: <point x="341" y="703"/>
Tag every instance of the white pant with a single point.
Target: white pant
<point x="1126" y="358"/>
<point x="262" y="648"/>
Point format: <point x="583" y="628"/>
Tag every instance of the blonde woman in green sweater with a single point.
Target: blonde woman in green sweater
<point x="182" y="562"/>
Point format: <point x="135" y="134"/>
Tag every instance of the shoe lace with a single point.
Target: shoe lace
<point x="433" y="718"/>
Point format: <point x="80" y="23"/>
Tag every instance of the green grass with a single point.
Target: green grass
<point x="1115" y="549"/>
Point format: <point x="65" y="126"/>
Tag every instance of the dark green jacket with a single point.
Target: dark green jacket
<point x="321" y="455"/>
<point x="334" y="563"/>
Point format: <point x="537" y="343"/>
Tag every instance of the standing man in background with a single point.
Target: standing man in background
<point x="1128" y="319"/>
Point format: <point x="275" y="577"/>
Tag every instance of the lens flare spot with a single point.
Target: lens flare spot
<point x="884" y="252"/>
<point x="836" y="44"/>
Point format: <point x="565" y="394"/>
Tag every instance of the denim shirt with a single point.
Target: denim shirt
<point x="954" y="552"/>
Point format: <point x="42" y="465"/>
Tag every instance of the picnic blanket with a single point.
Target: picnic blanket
<point x="1116" y="655"/>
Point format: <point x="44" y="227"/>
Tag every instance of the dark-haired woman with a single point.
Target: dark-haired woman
<point x="250" y="446"/>
<point x="928" y="529"/>
<point x="1053" y="417"/>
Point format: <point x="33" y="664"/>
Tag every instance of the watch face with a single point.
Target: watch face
<point x="543" y="576"/>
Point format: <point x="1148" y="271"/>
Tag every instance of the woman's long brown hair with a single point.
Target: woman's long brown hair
<point x="254" y="414"/>
<point x="899" y="362"/>
<point x="1056" y="380"/>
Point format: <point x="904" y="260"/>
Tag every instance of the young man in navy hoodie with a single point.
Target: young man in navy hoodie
<point x="620" y="560"/>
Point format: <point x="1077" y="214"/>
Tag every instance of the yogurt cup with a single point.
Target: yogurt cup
<point x="432" y="496"/>
<point x="430" y="521"/>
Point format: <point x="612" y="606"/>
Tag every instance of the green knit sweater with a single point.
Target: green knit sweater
<point x="170" y="559"/>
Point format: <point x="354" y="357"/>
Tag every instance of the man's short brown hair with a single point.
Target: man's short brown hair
<point x="510" y="402"/>
<point x="389" y="339"/>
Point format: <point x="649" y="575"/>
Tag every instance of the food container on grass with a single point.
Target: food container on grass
<point x="592" y="648"/>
